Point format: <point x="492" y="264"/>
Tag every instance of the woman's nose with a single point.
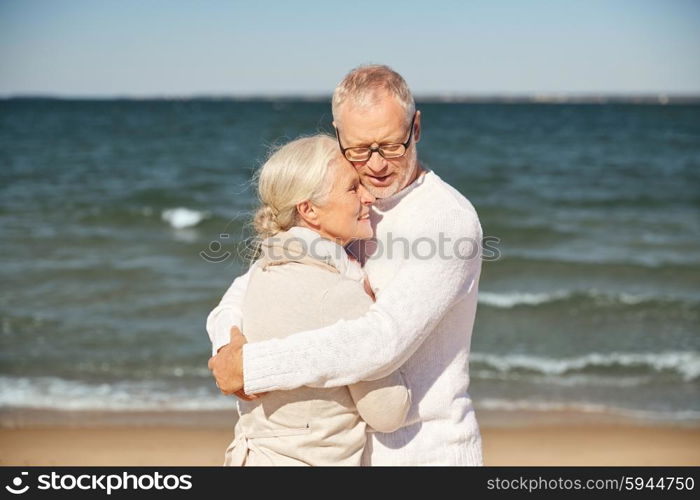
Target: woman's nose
<point x="365" y="196"/>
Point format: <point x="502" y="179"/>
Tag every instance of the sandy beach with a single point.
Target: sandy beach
<point x="146" y="439"/>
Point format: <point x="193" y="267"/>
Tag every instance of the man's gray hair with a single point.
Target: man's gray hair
<point x="363" y="85"/>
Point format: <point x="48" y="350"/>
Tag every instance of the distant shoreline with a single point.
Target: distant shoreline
<point x="659" y="99"/>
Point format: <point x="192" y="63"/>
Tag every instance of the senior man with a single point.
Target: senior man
<point x="424" y="266"/>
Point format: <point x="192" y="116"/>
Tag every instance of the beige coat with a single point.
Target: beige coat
<point x="292" y="291"/>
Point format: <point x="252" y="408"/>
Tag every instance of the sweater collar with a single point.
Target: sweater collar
<point x="384" y="204"/>
<point x="305" y="246"/>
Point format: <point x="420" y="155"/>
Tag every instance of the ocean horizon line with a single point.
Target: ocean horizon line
<point x="475" y="98"/>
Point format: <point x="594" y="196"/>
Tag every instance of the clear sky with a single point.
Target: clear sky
<point x="177" y="47"/>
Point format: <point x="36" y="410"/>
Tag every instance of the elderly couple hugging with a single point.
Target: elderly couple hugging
<point x="343" y="351"/>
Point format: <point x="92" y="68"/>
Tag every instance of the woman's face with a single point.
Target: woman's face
<point x="345" y="215"/>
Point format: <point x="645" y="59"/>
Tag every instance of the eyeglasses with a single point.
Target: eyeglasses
<point x="388" y="151"/>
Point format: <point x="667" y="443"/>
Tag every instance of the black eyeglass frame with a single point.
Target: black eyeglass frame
<point x="378" y="148"/>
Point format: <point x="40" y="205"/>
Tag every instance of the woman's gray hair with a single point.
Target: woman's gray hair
<point x="361" y="87"/>
<point x="295" y="172"/>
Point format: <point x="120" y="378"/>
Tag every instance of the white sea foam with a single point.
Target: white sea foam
<point x="512" y="299"/>
<point x="59" y="394"/>
<point x="534" y="405"/>
<point x="56" y="393"/>
<point x="585" y="407"/>
<point x="182" y="217"/>
<point x="612" y="257"/>
<point x="569" y="380"/>
<point x="508" y="300"/>
<point x="632" y="299"/>
<point x="685" y="364"/>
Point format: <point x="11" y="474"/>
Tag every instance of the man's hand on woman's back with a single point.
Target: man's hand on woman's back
<point x="227" y="367"/>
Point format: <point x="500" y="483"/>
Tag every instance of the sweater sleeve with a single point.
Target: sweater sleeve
<point x="380" y="341"/>
<point x="228" y="313"/>
<point x="382" y="403"/>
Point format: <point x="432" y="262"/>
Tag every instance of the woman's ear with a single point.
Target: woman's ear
<point x="308" y="213"/>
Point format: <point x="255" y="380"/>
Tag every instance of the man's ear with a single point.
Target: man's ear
<point x="335" y="130"/>
<point x="416" y="127"/>
<point x="307" y="211"/>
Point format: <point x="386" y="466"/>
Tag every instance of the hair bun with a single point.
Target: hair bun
<point x="265" y="221"/>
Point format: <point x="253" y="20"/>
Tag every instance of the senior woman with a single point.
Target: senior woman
<point x="312" y="205"/>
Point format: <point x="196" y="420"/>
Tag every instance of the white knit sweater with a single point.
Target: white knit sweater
<point x="425" y="272"/>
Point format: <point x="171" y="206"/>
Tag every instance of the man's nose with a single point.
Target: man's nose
<point x="376" y="162"/>
<point x="366" y="197"/>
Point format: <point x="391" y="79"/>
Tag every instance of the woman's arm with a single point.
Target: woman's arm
<point x="383" y="403"/>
